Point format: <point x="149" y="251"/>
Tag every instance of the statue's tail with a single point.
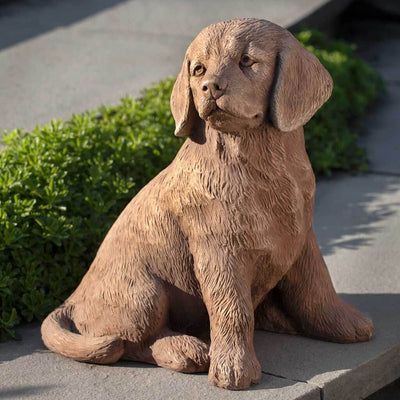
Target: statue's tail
<point x="57" y="335"/>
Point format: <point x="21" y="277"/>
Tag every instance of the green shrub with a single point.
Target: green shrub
<point x="331" y="142"/>
<point x="62" y="185"/>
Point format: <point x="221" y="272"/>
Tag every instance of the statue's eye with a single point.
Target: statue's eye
<point x="199" y="70"/>
<point x="246" y="61"/>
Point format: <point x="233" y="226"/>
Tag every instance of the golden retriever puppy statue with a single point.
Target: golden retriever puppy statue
<point x="221" y="240"/>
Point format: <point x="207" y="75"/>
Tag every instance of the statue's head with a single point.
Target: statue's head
<point x="243" y="73"/>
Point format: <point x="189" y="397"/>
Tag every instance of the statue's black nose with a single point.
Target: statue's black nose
<point x="214" y="87"/>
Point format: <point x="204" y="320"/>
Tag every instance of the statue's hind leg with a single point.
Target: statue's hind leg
<point x="171" y="350"/>
<point x="136" y="313"/>
<point x="148" y="338"/>
<point x="270" y="316"/>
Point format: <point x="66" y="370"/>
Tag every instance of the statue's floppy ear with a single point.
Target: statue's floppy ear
<point x="301" y="85"/>
<point x="182" y="105"/>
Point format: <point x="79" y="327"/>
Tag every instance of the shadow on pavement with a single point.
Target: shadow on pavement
<point x="16" y="17"/>
<point x="30" y="343"/>
<point x="10" y="392"/>
<point x="351" y="210"/>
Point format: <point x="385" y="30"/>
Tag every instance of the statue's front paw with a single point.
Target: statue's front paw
<point x="234" y="369"/>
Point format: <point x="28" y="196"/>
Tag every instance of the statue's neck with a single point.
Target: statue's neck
<point x="246" y="144"/>
<point x="257" y="147"/>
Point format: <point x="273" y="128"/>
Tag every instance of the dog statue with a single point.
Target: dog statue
<point x="221" y="241"/>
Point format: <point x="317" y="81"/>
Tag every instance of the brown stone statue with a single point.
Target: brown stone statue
<point x="221" y="241"/>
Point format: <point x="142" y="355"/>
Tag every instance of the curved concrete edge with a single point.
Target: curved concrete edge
<point x="367" y="378"/>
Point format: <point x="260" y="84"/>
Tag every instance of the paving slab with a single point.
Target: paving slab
<point x="79" y="55"/>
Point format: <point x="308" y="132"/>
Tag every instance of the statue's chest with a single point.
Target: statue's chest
<point x="271" y="211"/>
<point x="253" y="211"/>
<point x="247" y="208"/>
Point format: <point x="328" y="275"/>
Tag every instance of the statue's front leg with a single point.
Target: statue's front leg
<point x="226" y="290"/>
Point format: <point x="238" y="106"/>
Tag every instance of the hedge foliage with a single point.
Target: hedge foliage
<point x="330" y="136"/>
<point x="62" y="185"/>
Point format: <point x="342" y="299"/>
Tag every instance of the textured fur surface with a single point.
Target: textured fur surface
<point x="221" y="241"/>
